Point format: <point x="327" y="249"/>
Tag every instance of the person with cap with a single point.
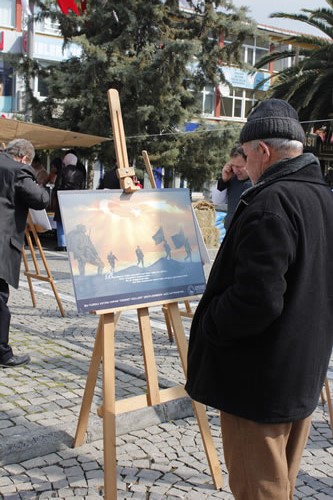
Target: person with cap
<point x="261" y="337"/>
<point x="19" y="191"/>
<point x="234" y="180"/>
<point x="70" y="178"/>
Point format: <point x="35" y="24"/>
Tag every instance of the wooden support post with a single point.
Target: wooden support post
<point x="124" y="171"/>
<point x="329" y="403"/>
<point x="31" y="229"/>
<point x="149" y="169"/>
<point x="153" y="396"/>
<point x="109" y="402"/>
<point x="90" y="386"/>
<point x="199" y="409"/>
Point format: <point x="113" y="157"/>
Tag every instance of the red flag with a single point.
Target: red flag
<point x="67" y="5"/>
<point x="83" y="5"/>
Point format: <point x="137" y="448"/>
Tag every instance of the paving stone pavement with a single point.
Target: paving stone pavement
<point x="159" y="450"/>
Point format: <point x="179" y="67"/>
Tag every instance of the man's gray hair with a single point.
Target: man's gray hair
<point x="18" y="148"/>
<point x="280" y="144"/>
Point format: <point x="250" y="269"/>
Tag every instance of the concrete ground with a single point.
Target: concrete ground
<point x="159" y="450"/>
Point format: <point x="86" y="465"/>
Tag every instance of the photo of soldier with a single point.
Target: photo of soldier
<point x="188" y="250"/>
<point x="112" y="261"/>
<point x="84" y="250"/>
<point x="167" y="249"/>
<point x="140" y="256"/>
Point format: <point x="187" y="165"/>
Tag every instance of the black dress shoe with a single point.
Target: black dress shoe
<point x="61" y="249"/>
<point x="16" y="361"/>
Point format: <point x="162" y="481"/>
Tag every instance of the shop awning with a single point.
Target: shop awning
<point x="43" y="137"/>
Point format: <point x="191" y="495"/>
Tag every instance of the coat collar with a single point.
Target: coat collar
<point x="305" y="167"/>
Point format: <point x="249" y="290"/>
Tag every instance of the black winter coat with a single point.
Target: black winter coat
<point x="262" y="334"/>
<point x="72" y="177"/>
<point x="19" y="191"/>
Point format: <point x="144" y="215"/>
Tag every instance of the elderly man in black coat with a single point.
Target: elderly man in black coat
<point x="19" y="191"/>
<point x="261" y="337"/>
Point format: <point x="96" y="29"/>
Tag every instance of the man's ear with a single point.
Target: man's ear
<point x="25" y="160"/>
<point x="266" y="152"/>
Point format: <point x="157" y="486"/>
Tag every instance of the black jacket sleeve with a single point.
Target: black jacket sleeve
<point x="27" y="190"/>
<point x="221" y="185"/>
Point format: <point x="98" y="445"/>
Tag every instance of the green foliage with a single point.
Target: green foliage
<point x="203" y="153"/>
<point x="157" y="57"/>
<point x="308" y="84"/>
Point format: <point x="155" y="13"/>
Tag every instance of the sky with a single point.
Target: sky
<point x="261" y="9"/>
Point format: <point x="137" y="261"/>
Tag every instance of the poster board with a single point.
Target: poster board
<point x="131" y="249"/>
<point x="40" y="220"/>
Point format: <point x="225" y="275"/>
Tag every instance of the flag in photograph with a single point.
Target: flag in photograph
<point x="158" y="237"/>
<point x="178" y="239"/>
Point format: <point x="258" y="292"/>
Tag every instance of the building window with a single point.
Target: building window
<point x="238" y="103"/>
<point x="46" y="25"/>
<point x="7" y="13"/>
<point x="206" y="101"/>
<point x="281" y="64"/>
<point x="254" y="50"/>
<point x="6" y="79"/>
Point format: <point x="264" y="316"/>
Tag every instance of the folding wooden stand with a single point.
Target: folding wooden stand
<point x="31" y="229"/>
<point x="104" y="350"/>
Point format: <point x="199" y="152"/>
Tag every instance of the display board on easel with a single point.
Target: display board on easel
<point x="154" y="276"/>
<point x="130" y="249"/>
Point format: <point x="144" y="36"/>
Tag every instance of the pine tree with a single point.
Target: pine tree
<point x="158" y="57"/>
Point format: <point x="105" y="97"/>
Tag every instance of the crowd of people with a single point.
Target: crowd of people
<point x="261" y="337"/>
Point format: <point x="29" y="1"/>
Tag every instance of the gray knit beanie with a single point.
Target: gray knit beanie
<point x="273" y="118"/>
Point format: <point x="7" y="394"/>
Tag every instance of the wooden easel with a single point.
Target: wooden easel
<point x="104" y="350"/>
<point x="31" y="229"/>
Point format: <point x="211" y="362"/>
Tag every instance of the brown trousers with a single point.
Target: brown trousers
<point x="263" y="460"/>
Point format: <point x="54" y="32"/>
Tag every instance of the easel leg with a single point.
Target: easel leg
<point x="329" y="402"/>
<point x="153" y="392"/>
<point x="199" y="409"/>
<point x="48" y="272"/>
<point x="167" y="322"/>
<point x="89" y="388"/>
<point x="109" y="407"/>
<point x="26" y="266"/>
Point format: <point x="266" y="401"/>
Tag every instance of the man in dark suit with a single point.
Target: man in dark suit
<point x="19" y="191"/>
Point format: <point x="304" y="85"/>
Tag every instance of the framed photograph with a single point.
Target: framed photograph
<point x="131" y="249"/>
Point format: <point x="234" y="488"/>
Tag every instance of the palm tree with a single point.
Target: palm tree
<point x="308" y="84"/>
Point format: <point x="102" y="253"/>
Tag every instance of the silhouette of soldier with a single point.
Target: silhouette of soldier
<point x="167" y="249"/>
<point x="112" y="261"/>
<point x="188" y="250"/>
<point x="83" y="249"/>
<point x="140" y="256"/>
